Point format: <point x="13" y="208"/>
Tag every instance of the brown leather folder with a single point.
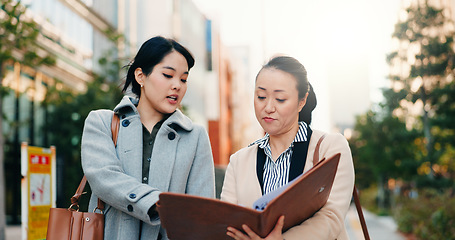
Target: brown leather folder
<point x="191" y="217"/>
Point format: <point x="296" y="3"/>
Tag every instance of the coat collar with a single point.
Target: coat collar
<point x="177" y="119"/>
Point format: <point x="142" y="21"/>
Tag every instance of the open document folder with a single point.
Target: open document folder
<point x="191" y="217"/>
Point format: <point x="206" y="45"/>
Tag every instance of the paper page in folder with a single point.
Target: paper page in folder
<point x="262" y="202"/>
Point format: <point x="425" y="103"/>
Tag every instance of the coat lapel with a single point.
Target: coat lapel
<point x="165" y="150"/>
<point x="298" y="158"/>
<point x="129" y="146"/>
<point x="260" y="161"/>
<point x="163" y="158"/>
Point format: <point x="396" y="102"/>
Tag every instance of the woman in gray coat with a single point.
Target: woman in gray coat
<point x="159" y="149"/>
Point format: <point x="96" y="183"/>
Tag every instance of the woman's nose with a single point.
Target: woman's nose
<point x="269" y="107"/>
<point x="176" y="84"/>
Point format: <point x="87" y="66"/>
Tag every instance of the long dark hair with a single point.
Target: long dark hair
<point x="296" y="69"/>
<point x="150" y="54"/>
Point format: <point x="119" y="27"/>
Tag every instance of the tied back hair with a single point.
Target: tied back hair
<point x="150" y="54"/>
<point x="296" y="69"/>
<point x="311" y="102"/>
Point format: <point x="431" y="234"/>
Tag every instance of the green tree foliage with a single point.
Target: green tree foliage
<point x="383" y="149"/>
<point x="382" y="146"/>
<point x="422" y="76"/>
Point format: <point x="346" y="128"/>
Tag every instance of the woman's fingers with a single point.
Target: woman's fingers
<point x="235" y="234"/>
<point x="238" y="235"/>
<point x="250" y="232"/>
<point x="279" y="225"/>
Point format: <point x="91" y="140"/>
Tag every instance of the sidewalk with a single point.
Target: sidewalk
<point x="379" y="227"/>
<point x="13" y="232"/>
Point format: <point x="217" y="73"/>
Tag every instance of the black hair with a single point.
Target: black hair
<point x="150" y="54"/>
<point x="296" y="69"/>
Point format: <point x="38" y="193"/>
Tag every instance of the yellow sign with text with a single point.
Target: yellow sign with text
<point x="39" y="190"/>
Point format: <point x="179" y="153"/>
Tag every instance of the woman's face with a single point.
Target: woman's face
<point x="163" y="89"/>
<point x="276" y="101"/>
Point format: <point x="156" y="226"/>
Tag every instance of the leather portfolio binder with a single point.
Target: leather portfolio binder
<point x="192" y="217"/>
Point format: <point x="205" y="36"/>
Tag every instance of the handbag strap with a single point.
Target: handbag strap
<point x="75" y="198"/>
<point x="360" y="213"/>
<point x="356" y="196"/>
<point x="316" y="151"/>
<point x="114" y="128"/>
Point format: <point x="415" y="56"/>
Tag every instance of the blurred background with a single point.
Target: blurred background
<point x="383" y="73"/>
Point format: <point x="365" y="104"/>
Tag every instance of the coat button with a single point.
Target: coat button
<point x="130" y="208"/>
<point x="125" y="123"/>
<point x="171" y="136"/>
<point x="132" y="195"/>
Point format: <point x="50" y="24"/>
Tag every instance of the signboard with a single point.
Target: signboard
<point x="38" y="190"/>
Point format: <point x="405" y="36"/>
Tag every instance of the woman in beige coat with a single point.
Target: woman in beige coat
<point x="283" y="102"/>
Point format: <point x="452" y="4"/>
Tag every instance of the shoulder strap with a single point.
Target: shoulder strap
<point x="75" y="199"/>
<point x="316" y="151"/>
<point x="356" y="196"/>
<point x="77" y="195"/>
<point x="360" y="213"/>
<point x="114" y="128"/>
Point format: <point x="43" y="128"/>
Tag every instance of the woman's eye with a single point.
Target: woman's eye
<point x="261" y="98"/>
<point x="280" y="100"/>
<point x="183" y="80"/>
<point x="167" y="76"/>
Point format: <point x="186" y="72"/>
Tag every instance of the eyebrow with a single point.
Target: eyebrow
<point x="173" y="69"/>
<point x="277" y="90"/>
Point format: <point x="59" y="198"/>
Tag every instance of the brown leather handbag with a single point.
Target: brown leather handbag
<point x="69" y="224"/>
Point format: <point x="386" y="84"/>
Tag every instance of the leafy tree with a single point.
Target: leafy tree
<point x="444" y="122"/>
<point x="422" y="77"/>
<point x="382" y="149"/>
<point x="17" y="43"/>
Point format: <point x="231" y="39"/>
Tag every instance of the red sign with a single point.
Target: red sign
<point x="39" y="159"/>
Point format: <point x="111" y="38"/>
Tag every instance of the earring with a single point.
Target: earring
<point x="142" y="85"/>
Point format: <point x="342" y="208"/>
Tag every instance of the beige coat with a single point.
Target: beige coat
<point x="241" y="186"/>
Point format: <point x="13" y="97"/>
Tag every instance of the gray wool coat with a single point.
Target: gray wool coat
<point x="181" y="162"/>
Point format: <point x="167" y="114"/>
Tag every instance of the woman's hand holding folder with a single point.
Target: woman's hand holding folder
<point x="274" y="235"/>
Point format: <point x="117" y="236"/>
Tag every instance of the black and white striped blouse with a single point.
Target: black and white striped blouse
<point x="276" y="173"/>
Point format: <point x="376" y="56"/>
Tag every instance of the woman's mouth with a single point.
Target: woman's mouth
<point x="172" y="99"/>
<point x="268" y="119"/>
